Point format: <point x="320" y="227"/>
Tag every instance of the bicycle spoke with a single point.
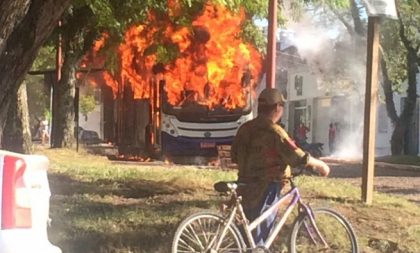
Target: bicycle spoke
<point x="201" y="232"/>
<point x="185" y="247"/>
<point x="330" y="233"/>
<point x="196" y="235"/>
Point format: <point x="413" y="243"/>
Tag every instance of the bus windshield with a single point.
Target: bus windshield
<point x="192" y="111"/>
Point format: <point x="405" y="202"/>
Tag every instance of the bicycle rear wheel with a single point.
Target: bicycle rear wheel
<point x="330" y="232"/>
<point x="199" y="233"/>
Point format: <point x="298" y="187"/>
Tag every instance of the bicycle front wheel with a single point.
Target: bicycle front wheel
<point x="201" y="232"/>
<point x="327" y="232"/>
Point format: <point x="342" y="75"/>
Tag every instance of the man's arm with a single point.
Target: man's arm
<point x="318" y="165"/>
<point x="294" y="156"/>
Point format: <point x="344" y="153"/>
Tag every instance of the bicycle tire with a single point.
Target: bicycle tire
<point x="333" y="227"/>
<point x="196" y="232"/>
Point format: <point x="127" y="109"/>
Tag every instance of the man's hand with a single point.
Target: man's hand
<point x="319" y="165"/>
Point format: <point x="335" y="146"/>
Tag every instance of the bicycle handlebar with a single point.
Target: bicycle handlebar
<point x="301" y="170"/>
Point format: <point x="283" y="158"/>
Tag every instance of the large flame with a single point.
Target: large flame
<point x="214" y="65"/>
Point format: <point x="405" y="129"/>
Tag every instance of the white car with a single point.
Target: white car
<point x="24" y="199"/>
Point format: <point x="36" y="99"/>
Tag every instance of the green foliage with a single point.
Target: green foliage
<point x="45" y="59"/>
<point x="87" y="104"/>
<point x="254" y="35"/>
<point x="38" y="99"/>
<point x="336" y="4"/>
<point x="167" y="53"/>
<point x="394" y="50"/>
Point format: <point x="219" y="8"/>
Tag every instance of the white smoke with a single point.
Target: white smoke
<point x="338" y="62"/>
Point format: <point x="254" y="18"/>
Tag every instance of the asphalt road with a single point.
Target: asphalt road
<point x="393" y="179"/>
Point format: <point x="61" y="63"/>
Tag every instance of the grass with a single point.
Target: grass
<point x="103" y="207"/>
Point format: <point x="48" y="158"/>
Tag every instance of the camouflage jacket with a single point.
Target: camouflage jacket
<point x="263" y="151"/>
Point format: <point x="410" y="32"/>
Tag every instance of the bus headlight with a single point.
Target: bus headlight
<point x="169" y="128"/>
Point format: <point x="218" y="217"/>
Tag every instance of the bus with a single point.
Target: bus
<point x="193" y="129"/>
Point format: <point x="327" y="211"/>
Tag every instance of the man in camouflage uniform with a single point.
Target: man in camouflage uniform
<point x="264" y="153"/>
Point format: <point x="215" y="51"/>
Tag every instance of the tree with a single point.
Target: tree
<point x="400" y="62"/>
<point x="18" y="137"/>
<point x="24" y="27"/>
<point x="400" y="45"/>
<point x="87" y="104"/>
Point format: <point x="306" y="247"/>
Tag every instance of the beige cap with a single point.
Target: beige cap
<point x="271" y="96"/>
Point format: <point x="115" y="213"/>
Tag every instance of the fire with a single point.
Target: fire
<point x="93" y="61"/>
<point x="214" y="66"/>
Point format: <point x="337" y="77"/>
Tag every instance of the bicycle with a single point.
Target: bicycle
<point x="314" y="230"/>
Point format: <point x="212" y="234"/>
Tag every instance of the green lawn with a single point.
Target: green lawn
<point x="103" y="207"/>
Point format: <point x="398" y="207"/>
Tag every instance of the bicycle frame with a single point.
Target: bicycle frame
<point x="249" y="227"/>
<point x="295" y="195"/>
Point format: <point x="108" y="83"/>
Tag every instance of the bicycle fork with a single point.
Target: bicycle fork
<point x="311" y="226"/>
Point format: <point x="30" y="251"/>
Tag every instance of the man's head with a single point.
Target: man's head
<point x="270" y="103"/>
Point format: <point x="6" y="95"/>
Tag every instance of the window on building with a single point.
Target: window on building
<point x="299" y="85"/>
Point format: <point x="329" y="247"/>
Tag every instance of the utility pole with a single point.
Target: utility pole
<point x="271" y="46"/>
<point x="54" y="85"/>
<point x="376" y="10"/>
<point x="369" y="133"/>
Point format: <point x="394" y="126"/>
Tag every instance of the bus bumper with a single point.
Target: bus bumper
<point x="186" y="146"/>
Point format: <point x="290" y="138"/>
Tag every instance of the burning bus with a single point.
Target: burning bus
<point x="191" y="91"/>
<point x="193" y="128"/>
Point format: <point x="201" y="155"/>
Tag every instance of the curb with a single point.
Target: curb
<point x="395" y="166"/>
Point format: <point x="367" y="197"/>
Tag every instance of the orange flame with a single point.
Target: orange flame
<point x="213" y="67"/>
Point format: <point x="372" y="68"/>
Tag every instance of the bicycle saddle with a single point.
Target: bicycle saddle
<point x="225" y="186"/>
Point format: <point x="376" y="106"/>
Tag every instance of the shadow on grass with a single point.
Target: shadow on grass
<point x="107" y="216"/>
<point x="65" y="185"/>
<point x="142" y="238"/>
<point x="82" y="226"/>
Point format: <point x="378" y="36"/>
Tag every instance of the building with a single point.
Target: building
<point x="317" y="104"/>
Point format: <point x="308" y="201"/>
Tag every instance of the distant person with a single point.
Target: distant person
<point x="337" y="133"/>
<point x="332" y="131"/>
<point x="44" y="131"/>
<point x="301" y="133"/>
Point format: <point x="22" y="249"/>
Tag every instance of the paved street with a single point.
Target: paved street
<point x="392" y="179"/>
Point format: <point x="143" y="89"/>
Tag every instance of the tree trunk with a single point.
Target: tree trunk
<point x="77" y="39"/>
<point x="63" y="115"/>
<point x="359" y="29"/>
<point x="17" y="135"/>
<point x="388" y="92"/>
<point x="24" y="27"/>
<point x="397" y="138"/>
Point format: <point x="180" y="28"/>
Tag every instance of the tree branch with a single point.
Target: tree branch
<point x="345" y="23"/>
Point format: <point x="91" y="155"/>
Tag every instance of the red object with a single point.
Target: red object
<point x="13" y="215"/>
<point x="271" y="45"/>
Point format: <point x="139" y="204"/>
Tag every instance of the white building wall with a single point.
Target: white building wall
<point x="324" y="111"/>
<point x="93" y="121"/>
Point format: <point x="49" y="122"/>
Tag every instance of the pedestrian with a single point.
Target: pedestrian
<point x="332" y="131"/>
<point x="44" y="130"/>
<point x="264" y="153"/>
<point x="301" y="133"/>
